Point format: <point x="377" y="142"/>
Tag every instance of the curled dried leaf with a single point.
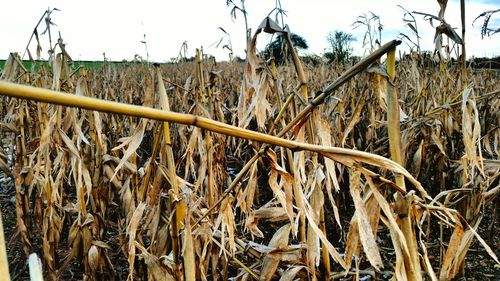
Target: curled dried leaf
<point x="93" y="257"/>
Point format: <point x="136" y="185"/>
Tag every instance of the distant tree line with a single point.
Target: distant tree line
<point x="340" y="50"/>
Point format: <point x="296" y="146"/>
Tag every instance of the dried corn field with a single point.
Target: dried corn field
<point x="385" y="169"/>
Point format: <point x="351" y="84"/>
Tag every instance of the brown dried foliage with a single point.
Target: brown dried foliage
<point x="108" y="190"/>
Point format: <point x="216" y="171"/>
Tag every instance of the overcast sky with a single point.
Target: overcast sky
<point x="92" y="27"/>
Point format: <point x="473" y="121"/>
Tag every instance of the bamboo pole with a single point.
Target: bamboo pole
<point x="350" y="73"/>
<point x="347" y="156"/>
<point x="316" y="101"/>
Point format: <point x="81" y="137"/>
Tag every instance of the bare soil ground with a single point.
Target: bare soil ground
<point x="479" y="265"/>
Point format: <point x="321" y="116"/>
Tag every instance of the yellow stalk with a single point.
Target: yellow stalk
<point x="318" y="99"/>
<point x="206" y="100"/>
<point x="133" y="160"/>
<point x="327" y="91"/>
<point x="201" y="78"/>
<point x="298" y="67"/>
<point x="393" y="115"/>
<point x="4" y="263"/>
<point x="404" y="210"/>
<point x="23" y="138"/>
<point x="324" y="251"/>
<point x="45" y="95"/>
<point x="175" y="200"/>
<point x="405" y="221"/>
<point x="282" y="112"/>
<point x="189" y="260"/>
<point x="279" y="118"/>
<point x="211" y="192"/>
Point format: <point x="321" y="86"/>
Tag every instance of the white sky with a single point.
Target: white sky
<point x="92" y="27"/>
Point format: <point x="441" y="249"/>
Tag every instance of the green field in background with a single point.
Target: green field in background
<point x="87" y="64"/>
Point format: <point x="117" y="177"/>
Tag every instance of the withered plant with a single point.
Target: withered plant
<point x="188" y="172"/>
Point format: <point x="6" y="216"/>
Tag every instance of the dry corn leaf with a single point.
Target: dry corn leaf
<point x="280" y="194"/>
<point x="9" y="126"/>
<point x="101" y="244"/>
<point x="483" y="243"/>
<point x="251" y="224"/>
<point x="313" y="244"/>
<point x="397" y="235"/>
<point x="450" y="263"/>
<point x="98" y="129"/>
<point x="271" y="260"/>
<point x="417" y="159"/>
<point x="289" y="274"/>
<point x="471" y="129"/>
<point x="427" y="263"/>
<point x="93" y="257"/>
<point x="57" y="66"/>
<point x="457" y="249"/>
<point x="132" y="232"/>
<point x="399" y="266"/>
<point x="194" y="141"/>
<point x="438" y="143"/>
<point x="285" y="196"/>
<point x="355" y="118"/>
<point x="54" y="185"/>
<point x="292" y="253"/>
<point x="299" y="158"/>
<point x="269" y="26"/>
<point x="363" y="222"/>
<point x="271" y="213"/>
<point x="247" y="198"/>
<point x="133" y="143"/>
<point x="255" y="88"/>
<point x="128" y="202"/>
<point x="10" y="69"/>
<point x="352" y="248"/>
<point x="188" y="256"/>
<point x="131" y="168"/>
<point x="155" y="270"/>
<point x="273" y="159"/>
<point x="381" y="162"/>
<point x="300" y="125"/>
<point x="262" y="105"/>
<point x="326" y="140"/>
<point x="309" y="214"/>
<point x="225" y="220"/>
